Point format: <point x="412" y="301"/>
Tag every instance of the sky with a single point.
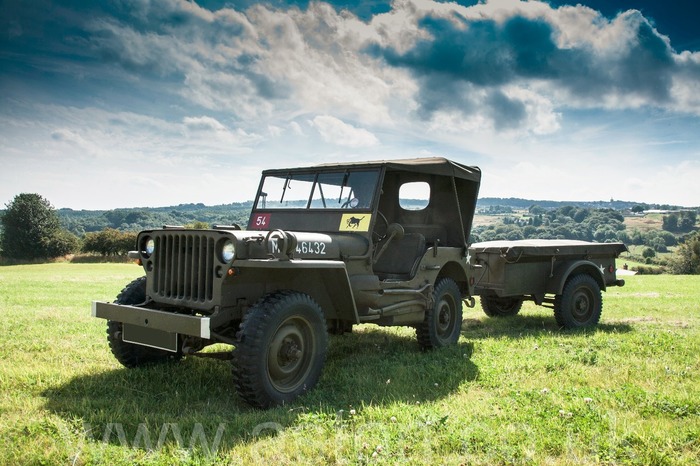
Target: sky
<point x="147" y="103"/>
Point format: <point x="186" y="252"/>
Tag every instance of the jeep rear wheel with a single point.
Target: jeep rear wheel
<point x="494" y="306"/>
<point x="129" y="354"/>
<point x="280" y="349"/>
<point x="443" y="321"/>
<point x="580" y="303"/>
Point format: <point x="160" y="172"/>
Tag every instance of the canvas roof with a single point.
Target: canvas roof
<point x="431" y="165"/>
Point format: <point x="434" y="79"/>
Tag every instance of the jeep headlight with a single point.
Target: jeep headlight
<point x="148" y="246"/>
<point x="228" y="251"/>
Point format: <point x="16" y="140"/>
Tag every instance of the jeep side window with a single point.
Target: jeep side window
<point x="414" y="195"/>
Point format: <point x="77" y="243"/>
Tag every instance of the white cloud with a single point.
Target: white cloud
<point x="340" y="133"/>
<point x="204" y="127"/>
<point x="532" y="93"/>
<point x="203" y="123"/>
<point x="296" y="128"/>
<point x="74" y="141"/>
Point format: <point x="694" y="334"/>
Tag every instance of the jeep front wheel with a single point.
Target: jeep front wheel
<point x="443" y="321"/>
<point x="280" y="349"/>
<point x="129" y="354"/>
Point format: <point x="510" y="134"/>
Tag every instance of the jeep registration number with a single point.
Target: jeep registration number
<point x="311" y="247"/>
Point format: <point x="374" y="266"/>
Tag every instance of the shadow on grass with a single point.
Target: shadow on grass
<point x="194" y="400"/>
<point x="520" y="326"/>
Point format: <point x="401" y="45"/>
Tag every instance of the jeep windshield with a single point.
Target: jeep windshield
<point x="349" y="189"/>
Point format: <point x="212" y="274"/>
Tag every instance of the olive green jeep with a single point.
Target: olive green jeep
<point x="326" y="247"/>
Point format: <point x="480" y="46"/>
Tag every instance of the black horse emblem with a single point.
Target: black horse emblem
<point x="354" y="222"/>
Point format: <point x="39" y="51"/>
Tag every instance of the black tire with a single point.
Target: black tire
<point x="280" y="349"/>
<point x="493" y="306"/>
<point x="443" y="321"/>
<point x="580" y="304"/>
<point x="128" y="354"/>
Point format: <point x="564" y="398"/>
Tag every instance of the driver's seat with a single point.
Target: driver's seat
<point x="400" y="259"/>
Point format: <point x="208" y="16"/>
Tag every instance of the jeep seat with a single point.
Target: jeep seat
<point x="400" y="259"/>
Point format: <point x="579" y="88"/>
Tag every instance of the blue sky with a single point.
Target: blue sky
<point x="128" y="103"/>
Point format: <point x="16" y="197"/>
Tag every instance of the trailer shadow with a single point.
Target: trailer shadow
<point x="521" y="326"/>
<point x="194" y="400"/>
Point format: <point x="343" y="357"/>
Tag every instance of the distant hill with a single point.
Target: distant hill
<point x="140" y="218"/>
<point x="517" y="203"/>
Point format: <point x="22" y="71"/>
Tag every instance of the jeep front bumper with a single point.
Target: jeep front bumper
<point x="153" y="319"/>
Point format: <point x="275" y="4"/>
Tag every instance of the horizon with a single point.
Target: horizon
<point x="168" y="102"/>
<point x="480" y="198"/>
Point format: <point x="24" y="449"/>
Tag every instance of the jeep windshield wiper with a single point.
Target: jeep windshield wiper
<point x="287" y="182"/>
<point x="342" y="186"/>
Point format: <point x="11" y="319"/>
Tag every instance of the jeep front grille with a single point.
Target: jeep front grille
<point x="183" y="268"/>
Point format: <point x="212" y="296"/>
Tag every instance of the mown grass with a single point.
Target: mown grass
<point x="513" y="391"/>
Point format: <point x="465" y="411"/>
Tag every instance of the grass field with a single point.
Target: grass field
<point x="515" y="391"/>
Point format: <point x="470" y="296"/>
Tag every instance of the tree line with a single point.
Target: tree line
<point x="32" y="229"/>
<point x="80" y="222"/>
<point x="602" y="225"/>
<point x="587" y="224"/>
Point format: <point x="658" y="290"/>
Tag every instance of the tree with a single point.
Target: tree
<point x="688" y="256"/>
<point x="670" y="222"/>
<point x="32" y="230"/>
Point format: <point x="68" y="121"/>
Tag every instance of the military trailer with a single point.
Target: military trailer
<point x="566" y="275"/>
<point x="328" y="247"/>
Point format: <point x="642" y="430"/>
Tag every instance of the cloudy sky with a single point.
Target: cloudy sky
<point x="126" y="103"/>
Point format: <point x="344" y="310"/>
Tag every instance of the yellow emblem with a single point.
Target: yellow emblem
<point x="355" y="222"/>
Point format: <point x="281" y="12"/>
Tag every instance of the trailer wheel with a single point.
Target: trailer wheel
<point x="494" y="306"/>
<point x="443" y="321"/>
<point x="580" y="303"/>
<point x="280" y="349"/>
<point x="129" y="354"/>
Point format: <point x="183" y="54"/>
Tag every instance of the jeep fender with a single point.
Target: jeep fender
<point x="555" y="284"/>
<point x="325" y="281"/>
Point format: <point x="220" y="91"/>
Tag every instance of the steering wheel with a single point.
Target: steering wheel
<point x="351" y="203"/>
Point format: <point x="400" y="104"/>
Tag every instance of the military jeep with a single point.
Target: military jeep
<point x="326" y="247"/>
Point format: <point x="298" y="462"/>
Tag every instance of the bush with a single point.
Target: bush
<point x="109" y="242"/>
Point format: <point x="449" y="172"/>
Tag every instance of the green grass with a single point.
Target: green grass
<point x="513" y="391"/>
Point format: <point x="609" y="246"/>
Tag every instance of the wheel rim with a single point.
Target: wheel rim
<point x="445" y="317"/>
<point x="290" y="353"/>
<point x="582" y="305"/>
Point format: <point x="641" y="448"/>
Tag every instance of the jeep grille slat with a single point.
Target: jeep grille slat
<point x="184" y="267"/>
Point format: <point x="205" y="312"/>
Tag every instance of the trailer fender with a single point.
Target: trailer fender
<point x="556" y="282"/>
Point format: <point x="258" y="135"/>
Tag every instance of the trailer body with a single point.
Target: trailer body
<point x="510" y="272"/>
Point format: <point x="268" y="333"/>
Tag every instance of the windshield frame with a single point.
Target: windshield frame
<point x="326" y="190"/>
